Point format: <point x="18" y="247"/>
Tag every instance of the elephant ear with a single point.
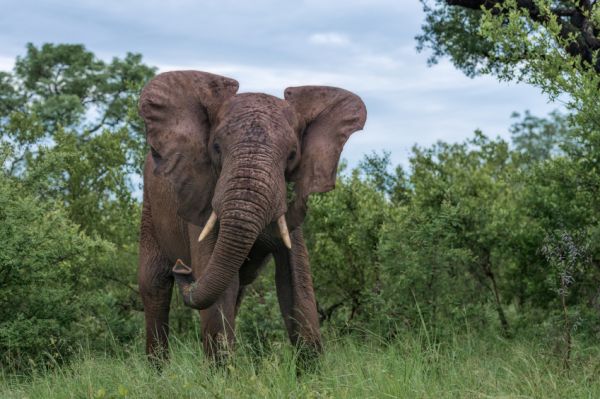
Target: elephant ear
<point x="178" y="108"/>
<point x="328" y="116"/>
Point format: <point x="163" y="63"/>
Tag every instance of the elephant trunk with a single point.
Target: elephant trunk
<point x="244" y="212"/>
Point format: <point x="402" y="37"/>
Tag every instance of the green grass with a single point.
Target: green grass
<point x="351" y="368"/>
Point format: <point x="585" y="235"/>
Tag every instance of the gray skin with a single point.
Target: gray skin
<point x="213" y="150"/>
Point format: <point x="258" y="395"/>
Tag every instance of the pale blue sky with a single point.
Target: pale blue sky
<point x="366" y="46"/>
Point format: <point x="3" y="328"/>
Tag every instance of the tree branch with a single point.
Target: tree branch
<point x="577" y="24"/>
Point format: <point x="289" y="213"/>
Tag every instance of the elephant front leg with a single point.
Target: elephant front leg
<point x="156" y="285"/>
<point x="296" y="295"/>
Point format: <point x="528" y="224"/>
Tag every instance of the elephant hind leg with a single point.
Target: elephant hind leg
<point x="156" y="286"/>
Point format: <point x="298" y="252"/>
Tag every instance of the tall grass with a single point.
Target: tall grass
<point x="408" y="367"/>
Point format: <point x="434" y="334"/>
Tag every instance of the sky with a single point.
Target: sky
<point x="365" y="46"/>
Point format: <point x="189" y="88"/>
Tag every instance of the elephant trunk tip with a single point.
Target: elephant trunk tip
<point x="185" y="281"/>
<point x="181" y="268"/>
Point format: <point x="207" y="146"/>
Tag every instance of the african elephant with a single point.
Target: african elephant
<point x="226" y="183"/>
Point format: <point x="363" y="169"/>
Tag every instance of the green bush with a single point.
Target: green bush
<point x="50" y="299"/>
<point x="343" y="230"/>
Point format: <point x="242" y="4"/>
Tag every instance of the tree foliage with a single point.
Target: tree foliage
<point x="71" y="150"/>
<point x="343" y="233"/>
<point x="49" y="287"/>
<point x="70" y="131"/>
<point x="552" y="44"/>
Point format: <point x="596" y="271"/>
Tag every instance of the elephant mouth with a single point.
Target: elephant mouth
<point x="281" y="224"/>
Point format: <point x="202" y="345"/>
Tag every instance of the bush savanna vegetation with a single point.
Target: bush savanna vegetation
<point x="472" y="271"/>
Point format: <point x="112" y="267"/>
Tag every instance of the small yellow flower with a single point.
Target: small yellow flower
<point x="122" y="391"/>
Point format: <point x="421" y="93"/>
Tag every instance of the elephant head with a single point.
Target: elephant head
<point x="229" y="157"/>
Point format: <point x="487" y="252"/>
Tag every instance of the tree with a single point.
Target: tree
<point x="458" y="212"/>
<point x="70" y="130"/>
<point x="49" y="302"/>
<point x="574" y="24"/>
<point x="539" y="139"/>
<point x="374" y="168"/>
<point x="70" y="140"/>
<point x="552" y="44"/>
<point x="343" y="231"/>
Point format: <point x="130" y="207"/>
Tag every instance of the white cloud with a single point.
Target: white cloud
<point x="379" y="61"/>
<point x="329" y="39"/>
<point x="270" y="80"/>
<point x="375" y="78"/>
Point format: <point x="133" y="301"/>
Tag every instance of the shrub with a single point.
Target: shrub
<point x="49" y="298"/>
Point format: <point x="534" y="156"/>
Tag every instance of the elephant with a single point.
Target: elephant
<point x="225" y="188"/>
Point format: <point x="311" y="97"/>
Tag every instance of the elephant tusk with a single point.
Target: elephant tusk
<point x="210" y="224"/>
<point x="283" y="230"/>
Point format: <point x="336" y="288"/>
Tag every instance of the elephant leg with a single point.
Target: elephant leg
<point x="156" y="285"/>
<point x="218" y="324"/>
<point x="296" y="295"/>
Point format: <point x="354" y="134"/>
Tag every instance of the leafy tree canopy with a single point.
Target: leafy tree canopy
<point x="552" y="44"/>
<point x="70" y="131"/>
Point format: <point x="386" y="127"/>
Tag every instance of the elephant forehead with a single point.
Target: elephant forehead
<point x="256" y="115"/>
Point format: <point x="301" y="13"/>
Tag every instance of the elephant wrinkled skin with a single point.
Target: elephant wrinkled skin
<point x="227" y="159"/>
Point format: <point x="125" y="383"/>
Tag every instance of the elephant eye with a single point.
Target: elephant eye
<point x="217" y="148"/>
<point x="292" y="156"/>
<point x="155" y="155"/>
